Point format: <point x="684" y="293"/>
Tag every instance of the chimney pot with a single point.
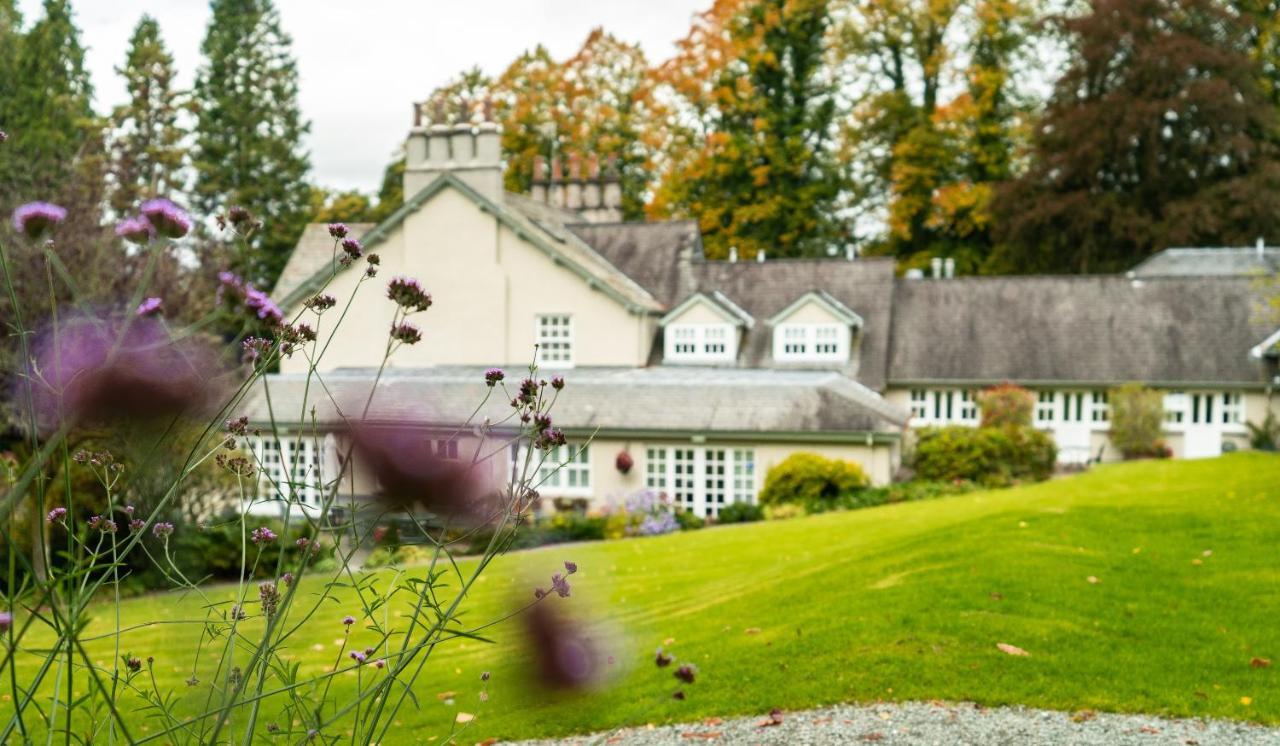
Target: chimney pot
<point x="760" y="256"/>
<point x="733" y="254"/>
<point x="539" y="168"/>
<point x="935" y="267"/>
<point x="949" y="267"/>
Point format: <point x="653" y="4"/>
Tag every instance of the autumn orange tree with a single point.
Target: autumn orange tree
<point x="759" y="109"/>
<point x="936" y="114"/>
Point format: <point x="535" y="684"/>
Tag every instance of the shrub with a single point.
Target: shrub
<point x="689" y="520"/>
<point x="991" y="456"/>
<point x="810" y="479"/>
<point x="740" y="513"/>
<point x="1006" y="404"/>
<point x="784" y="511"/>
<point x="1137" y="419"/>
<point x="1265" y="436"/>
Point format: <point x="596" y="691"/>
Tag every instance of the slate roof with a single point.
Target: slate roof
<point x="769" y="404"/>
<point x="313" y="253"/>
<point x="1083" y="329"/>
<point x="1210" y="262"/>
<point x="667" y="259"/>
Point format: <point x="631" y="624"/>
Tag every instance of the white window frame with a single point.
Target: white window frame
<point x="289" y="468"/>
<point x="919" y="405"/>
<point x="696" y="343"/>
<point x="555" y="348"/>
<point x="798" y="343"/>
<point x="1177" y="410"/>
<point x="573" y="479"/>
<point x="702" y="479"/>
<point x="944" y="407"/>
<point x="1046" y="408"/>
<point x="1100" y="408"/>
<point x="1232" y="409"/>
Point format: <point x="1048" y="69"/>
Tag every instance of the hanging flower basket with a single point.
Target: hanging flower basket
<point x="624" y="462"/>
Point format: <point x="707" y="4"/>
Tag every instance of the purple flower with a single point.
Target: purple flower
<point x="406" y="333"/>
<point x="570" y="567"/>
<point x="103" y="372"/>
<point x="557" y="382"/>
<point x="162" y="529"/>
<point x="410" y="473"/>
<point x="34" y="219"/>
<point x="167" y="218"/>
<point x="302" y="542"/>
<point x="149" y="307"/>
<point x="566" y="657"/>
<point x="380" y="663"/>
<point x="287" y="578"/>
<point x="321" y="303"/>
<point x="137" y="524"/>
<point x="269" y="595"/>
<point x="352" y="248"/>
<point x="493" y="376"/>
<point x="358" y="657"/>
<point x="56" y="514"/>
<point x="137" y="230"/>
<point x="662" y="659"/>
<point x="686" y="673"/>
<point x="133" y="664"/>
<point x="261" y="303"/>
<point x="348" y="620"/>
<point x="3" y="136"/>
<point x="408" y="294"/>
<point x="338" y="230"/>
<point x="262" y="535"/>
<point x="560" y="584"/>
<point x="6" y="621"/>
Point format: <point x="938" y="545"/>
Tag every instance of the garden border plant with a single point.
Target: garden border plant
<point x="105" y="369"/>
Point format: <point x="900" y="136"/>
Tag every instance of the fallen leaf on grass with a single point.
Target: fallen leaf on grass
<point x="997" y="596"/>
<point x="1011" y="649"/>
<point x="775" y="718"/>
<point x="1197" y="561"/>
<point x="1093" y="579"/>
<point x="464" y="717"/>
<point x="442" y="696"/>
<point x="752" y="630"/>
<point x="1208" y="552"/>
<point x="712" y="721"/>
<point x="710" y="735"/>
<point x="1260" y="663"/>
<point x="871" y="737"/>
<point x="1084" y="716"/>
<point x="1246" y="701"/>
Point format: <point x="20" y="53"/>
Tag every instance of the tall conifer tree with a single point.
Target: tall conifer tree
<point x="249" y="130"/>
<point x="147" y="149"/>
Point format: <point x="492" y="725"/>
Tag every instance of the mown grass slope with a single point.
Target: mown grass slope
<point x="1145" y="587"/>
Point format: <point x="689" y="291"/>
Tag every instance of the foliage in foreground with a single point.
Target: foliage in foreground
<point x="990" y="456"/>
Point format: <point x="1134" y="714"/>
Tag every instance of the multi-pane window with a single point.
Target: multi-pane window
<point x="811" y="342"/>
<point x="700" y="343"/>
<point x="1073" y="406"/>
<point x="919" y="404"/>
<point x="288" y="468"/>
<point x="1045" y="407"/>
<point x="1232" y="409"/>
<point x="702" y="480"/>
<point x="1176" y="404"/>
<point x="565" y="470"/>
<point x="968" y="408"/>
<point x="555" y="339"/>
<point x="447" y="449"/>
<point x="1101" y="406"/>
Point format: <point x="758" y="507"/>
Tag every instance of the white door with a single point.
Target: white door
<point x="1072" y="430"/>
<point x="1203" y="435"/>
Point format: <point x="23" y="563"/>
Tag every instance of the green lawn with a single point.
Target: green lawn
<point x="904" y="602"/>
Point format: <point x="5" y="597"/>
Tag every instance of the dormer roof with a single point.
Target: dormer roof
<point x="716" y="300"/>
<point x="824" y="299"/>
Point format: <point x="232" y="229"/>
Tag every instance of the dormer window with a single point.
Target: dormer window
<point x="815" y="328"/>
<point x="701" y="343"/>
<point x="704" y="329"/>
<point x="817" y="343"/>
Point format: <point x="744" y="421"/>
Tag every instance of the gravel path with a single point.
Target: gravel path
<point x="944" y="724"/>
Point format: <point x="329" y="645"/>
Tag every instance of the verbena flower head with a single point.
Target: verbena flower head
<point x="338" y="230"/>
<point x="564" y="654"/>
<point x="269" y="595"/>
<point x="560" y="584"/>
<point x="411" y="475"/>
<point x="136" y="525"/>
<point x="408" y="294"/>
<point x="137" y="230"/>
<point x="687" y="672"/>
<point x="6" y="621"/>
<point x="557" y="382"/>
<point x="358" y="657"/>
<point x="406" y="333"/>
<point x="55" y="515"/>
<point x="150" y="307"/>
<point x="321" y="303"/>
<point x="261" y="304"/>
<point x="662" y="659"/>
<point x="109" y="372"/>
<point x="162" y="529"/>
<point x="352" y="248"/>
<point x="4" y="136"/>
<point x="262" y="535"/>
<point x="493" y="377"/>
<point x="348" y="620"/>
<point x="167" y="218"/>
<point x="570" y="567"/>
<point x="35" y="219"/>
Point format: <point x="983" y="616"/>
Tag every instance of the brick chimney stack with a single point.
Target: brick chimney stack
<point x="466" y="142"/>
<point x="580" y="185"/>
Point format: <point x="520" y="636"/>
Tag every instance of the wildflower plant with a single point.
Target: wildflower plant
<point x="128" y="373"/>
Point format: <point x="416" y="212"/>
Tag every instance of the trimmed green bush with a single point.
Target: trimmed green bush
<point x="990" y="456"/>
<point x="1006" y="404"/>
<point x="740" y="513"/>
<point x="810" y="479"/>
<point x="1137" y="421"/>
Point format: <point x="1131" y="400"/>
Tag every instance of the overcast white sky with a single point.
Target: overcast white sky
<point x="363" y="62"/>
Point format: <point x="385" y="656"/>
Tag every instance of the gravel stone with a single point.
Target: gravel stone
<point x="944" y="724"/>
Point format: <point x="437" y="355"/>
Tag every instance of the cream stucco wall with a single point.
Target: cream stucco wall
<point x="701" y="312"/>
<point x="488" y="286"/>
<point x="811" y="312"/>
